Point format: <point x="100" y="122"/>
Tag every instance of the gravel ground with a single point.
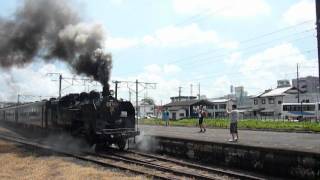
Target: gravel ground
<point x="22" y="163"/>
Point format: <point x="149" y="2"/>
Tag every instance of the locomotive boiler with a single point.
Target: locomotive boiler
<point x="97" y="117"/>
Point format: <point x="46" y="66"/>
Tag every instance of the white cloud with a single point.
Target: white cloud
<point x="304" y="10"/>
<point x="171" y="69"/>
<point x="173" y="36"/>
<point x="259" y="71"/>
<point x="121" y="43"/>
<point x="233" y="58"/>
<point x="262" y="70"/>
<point x="224" y="8"/>
<point x="180" y="36"/>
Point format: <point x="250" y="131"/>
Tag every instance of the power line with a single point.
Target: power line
<point x="245" y="49"/>
<point x="253" y="38"/>
<point x="199" y="16"/>
<point x="288" y="55"/>
<point x="243" y="42"/>
<point x="260" y="44"/>
<point x="186" y="20"/>
<point x="208" y="59"/>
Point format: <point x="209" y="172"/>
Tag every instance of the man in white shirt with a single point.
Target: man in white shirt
<point x="234" y="116"/>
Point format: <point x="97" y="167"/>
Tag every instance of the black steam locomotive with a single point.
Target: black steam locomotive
<point x="100" y="120"/>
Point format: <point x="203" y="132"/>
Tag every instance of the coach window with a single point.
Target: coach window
<point x="271" y="100"/>
<point x="263" y="101"/>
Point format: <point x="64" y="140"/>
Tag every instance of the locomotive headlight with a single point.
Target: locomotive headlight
<point x="124" y="114"/>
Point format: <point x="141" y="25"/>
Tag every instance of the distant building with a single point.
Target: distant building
<point x="269" y="102"/>
<point x="220" y="107"/>
<point x="307" y="84"/>
<point x="239" y="92"/>
<point x="182" y="98"/>
<point x="283" y="83"/>
<point x="145" y="109"/>
<point x="186" y="108"/>
<point x="241" y="95"/>
<point x="7" y="104"/>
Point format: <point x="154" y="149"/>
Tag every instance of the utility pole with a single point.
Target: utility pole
<point x="298" y="87"/>
<point x="70" y="81"/>
<point x="145" y="85"/>
<point x="60" y="81"/>
<point x="137" y="107"/>
<point x="199" y="91"/>
<point x="18" y="99"/>
<point x="191" y="88"/>
<point x="180" y="93"/>
<point x="116" y="89"/>
<point x="318" y="36"/>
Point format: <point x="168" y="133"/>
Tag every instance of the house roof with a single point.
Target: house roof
<point x="190" y="103"/>
<point x="220" y="100"/>
<point x="276" y="92"/>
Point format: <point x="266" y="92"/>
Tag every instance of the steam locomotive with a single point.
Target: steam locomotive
<point x="98" y="118"/>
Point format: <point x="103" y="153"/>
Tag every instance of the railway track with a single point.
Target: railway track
<point x="140" y="163"/>
<point x="203" y="171"/>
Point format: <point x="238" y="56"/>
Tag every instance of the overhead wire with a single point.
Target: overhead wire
<point x="235" y="73"/>
<point x="241" y="49"/>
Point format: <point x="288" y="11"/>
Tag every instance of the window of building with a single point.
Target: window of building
<point x="181" y="114"/>
<point x="209" y="107"/>
<point x="215" y="106"/>
<point x="255" y="101"/>
<point x="279" y="102"/>
<point x="222" y="106"/>
<point x="271" y="100"/>
<point x="263" y="101"/>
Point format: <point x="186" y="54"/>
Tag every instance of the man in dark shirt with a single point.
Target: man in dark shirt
<point x="201" y="115"/>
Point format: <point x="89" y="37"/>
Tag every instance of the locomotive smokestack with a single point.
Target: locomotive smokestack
<point x="106" y="91"/>
<point x="52" y="30"/>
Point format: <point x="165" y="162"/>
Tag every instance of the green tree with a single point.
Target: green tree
<point x="148" y="100"/>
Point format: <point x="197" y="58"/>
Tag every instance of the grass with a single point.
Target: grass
<point x="19" y="163"/>
<point x="242" y="124"/>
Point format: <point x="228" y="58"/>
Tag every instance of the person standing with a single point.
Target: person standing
<point x="201" y="115"/>
<point x="234" y="116"/>
<point x="166" y="112"/>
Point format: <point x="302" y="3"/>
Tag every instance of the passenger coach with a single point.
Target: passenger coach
<point x="300" y="111"/>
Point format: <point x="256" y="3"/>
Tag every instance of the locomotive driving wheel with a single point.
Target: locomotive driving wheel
<point x="122" y="144"/>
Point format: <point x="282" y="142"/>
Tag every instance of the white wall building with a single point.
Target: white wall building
<point x="183" y="109"/>
<point x="269" y="103"/>
<point x="145" y="109"/>
<point x="219" y="108"/>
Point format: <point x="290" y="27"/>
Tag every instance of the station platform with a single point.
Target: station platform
<point x="288" y="141"/>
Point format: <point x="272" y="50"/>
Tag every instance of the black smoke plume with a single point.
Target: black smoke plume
<point x="52" y="30"/>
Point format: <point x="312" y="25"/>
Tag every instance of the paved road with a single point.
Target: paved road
<point x="307" y="142"/>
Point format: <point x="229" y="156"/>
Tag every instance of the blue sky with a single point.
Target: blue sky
<point x="181" y="42"/>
